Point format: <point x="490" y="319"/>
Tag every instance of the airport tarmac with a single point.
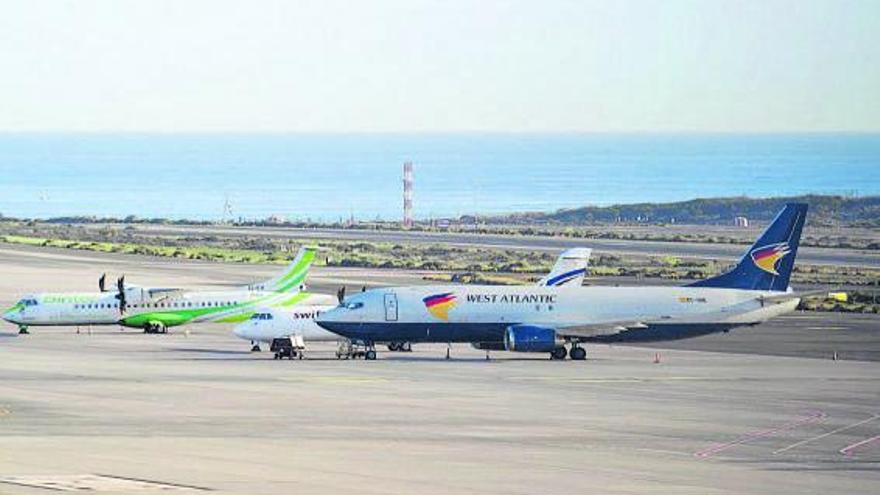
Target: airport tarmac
<point x="119" y="411"/>
<point x="123" y="412"/>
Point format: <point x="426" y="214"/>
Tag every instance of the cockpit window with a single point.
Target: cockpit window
<point x="262" y="316"/>
<point x="354" y="305"/>
<point x="28" y="302"/>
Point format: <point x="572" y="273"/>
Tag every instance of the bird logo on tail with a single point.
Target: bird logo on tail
<point x="767" y="257"/>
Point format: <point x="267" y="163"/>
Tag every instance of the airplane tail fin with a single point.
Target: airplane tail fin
<point x="767" y="265"/>
<point x="294" y="276"/>
<point x="570" y="268"/>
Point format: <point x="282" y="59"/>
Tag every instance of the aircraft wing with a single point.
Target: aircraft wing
<point x="163" y="293"/>
<point x="604" y="328"/>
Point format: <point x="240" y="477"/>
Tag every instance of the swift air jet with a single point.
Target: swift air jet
<point x="155" y="309"/>
<point x="558" y="320"/>
<point x="287" y="330"/>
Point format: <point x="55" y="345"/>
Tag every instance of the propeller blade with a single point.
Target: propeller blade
<point x="120" y="286"/>
<point x="364" y="288"/>
<point x="340" y="294"/>
<point x="101" y="282"/>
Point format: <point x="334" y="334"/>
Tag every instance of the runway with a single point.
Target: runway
<point x="118" y="411"/>
<point x="806" y="254"/>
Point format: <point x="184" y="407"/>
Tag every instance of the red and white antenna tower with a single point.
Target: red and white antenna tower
<point x="407" y="194"/>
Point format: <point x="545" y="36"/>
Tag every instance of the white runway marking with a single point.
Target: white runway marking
<point x="832" y="432"/>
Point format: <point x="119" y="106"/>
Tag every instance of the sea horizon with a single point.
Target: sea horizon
<point x="331" y="176"/>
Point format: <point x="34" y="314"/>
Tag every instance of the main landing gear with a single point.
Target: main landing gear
<point x="577" y="353"/>
<point x="400" y="347"/>
<point x="155" y="328"/>
<point x="23" y="330"/>
<point x="558" y="354"/>
<point x="255" y="346"/>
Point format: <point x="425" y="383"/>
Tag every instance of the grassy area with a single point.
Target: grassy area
<point x="858" y="302"/>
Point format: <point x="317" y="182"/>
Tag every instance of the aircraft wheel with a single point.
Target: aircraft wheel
<point x="405" y="347"/>
<point x="370" y="355"/>
<point x="23" y="331"/>
<point x="256" y="348"/>
<point x="558" y="354"/>
<point x="577" y="353"/>
<point x="393" y="346"/>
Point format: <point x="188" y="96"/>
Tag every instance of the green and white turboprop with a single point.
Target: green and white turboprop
<point x="157" y="309"/>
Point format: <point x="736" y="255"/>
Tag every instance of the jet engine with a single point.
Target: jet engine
<point x="530" y="338"/>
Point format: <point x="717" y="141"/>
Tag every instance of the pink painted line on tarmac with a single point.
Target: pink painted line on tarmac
<point x="848" y="450"/>
<point x="810" y="418"/>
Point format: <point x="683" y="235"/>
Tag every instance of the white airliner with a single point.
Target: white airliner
<point x="547" y="319"/>
<point x="286" y="330"/>
<point x="292" y="328"/>
<point x="155" y="309"/>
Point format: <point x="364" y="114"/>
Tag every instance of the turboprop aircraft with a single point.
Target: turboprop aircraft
<point x="286" y="330"/>
<point x="558" y="320"/>
<point x="156" y="309"/>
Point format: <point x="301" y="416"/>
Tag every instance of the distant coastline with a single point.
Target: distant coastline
<point x="825" y="210"/>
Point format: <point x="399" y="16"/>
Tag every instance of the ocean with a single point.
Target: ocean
<point x="325" y="177"/>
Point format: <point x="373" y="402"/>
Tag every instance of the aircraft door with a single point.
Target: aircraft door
<point x="390" y="307"/>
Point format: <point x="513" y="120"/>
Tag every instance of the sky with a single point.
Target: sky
<point x="440" y="66"/>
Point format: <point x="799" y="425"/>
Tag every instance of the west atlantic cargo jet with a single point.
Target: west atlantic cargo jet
<point x="557" y="321"/>
<point x="155" y="309"/>
<point x="290" y="328"/>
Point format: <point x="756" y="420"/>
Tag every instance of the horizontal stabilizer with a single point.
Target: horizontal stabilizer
<point x="788" y="296"/>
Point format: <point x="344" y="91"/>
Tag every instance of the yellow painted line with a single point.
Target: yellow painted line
<point x="4" y="412"/>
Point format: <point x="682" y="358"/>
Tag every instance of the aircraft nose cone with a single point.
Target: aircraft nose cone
<point x="11" y="316"/>
<point x="239" y="330"/>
